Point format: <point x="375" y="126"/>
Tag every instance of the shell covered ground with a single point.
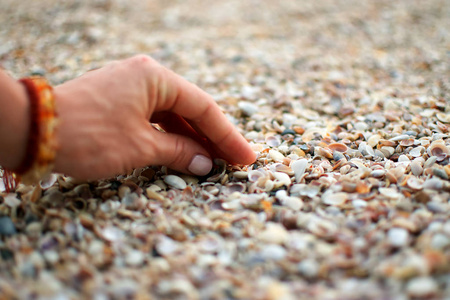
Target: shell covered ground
<point x="347" y="104"/>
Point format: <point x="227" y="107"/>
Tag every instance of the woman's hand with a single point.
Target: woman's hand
<point x="105" y="123"/>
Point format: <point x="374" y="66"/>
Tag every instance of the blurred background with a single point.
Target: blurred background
<point x="200" y="38"/>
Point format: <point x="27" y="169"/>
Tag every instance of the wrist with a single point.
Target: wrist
<point x="14" y="122"/>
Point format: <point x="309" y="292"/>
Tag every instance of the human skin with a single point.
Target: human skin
<point x="105" y="121"/>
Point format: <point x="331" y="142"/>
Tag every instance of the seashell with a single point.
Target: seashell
<point x="361" y="126"/>
<point x="273" y="141"/>
<point x="391" y="176"/>
<point x="398" y="237"/>
<point x="344" y="170"/>
<point x="399" y="138"/>
<point x="365" y="149"/>
<point x="269" y="185"/>
<point x="11" y="200"/>
<point x="240" y="174"/>
<point x="252" y="135"/>
<point x="310" y="133"/>
<point x="149" y="173"/>
<point x="349" y="187"/>
<point x="438" y="149"/>
<point x="447" y="169"/>
<point x="391" y="193"/>
<point x="422" y="287"/>
<point x="66" y="182"/>
<point x="440" y="173"/>
<point x="338" y="155"/>
<point x="335" y="199"/>
<point x="387" y="151"/>
<point x="276" y="155"/>
<point x="433" y="184"/>
<point x="445" y="118"/>
<point x="282" y="179"/>
<point x="339" y="147"/>
<point x="374" y="140"/>
<point x="362" y="187"/>
<point x="387" y="143"/>
<point x="417" y="151"/>
<point x="284" y="149"/>
<point x="339" y="163"/>
<point x="152" y="194"/>
<point x="274" y="233"/>
<point x="235" y="187"/>
<point x="416" y="168"/>
<point x="298" y="129"/>
<point x="299" y="167"/>
<point x="48" y="181"/>
<point x="430" y="162"/>
<point x="84" y="190"/>
<point x="293" y="203"/>
<point x="278" y="167"/>
<point x="248" y="108"/>
<point x="323" y="152"/>
<point x="321" y="228"/>
<point x="255" y="175"/>
<point x="378" y="153"/>
<point x="232" y="205"/>
<point x="175" y="181"/>
<point x="414" y="183"/>
<point x="407" y="142"/>
<point x="190" y="180"/>
<point x="77" y="204"/>
<point x="403" y="158"/>
<point x="215" y="178"/>
<point x="378" y="173"/>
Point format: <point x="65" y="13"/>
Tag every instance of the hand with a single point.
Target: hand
<point x="105" y="123"/>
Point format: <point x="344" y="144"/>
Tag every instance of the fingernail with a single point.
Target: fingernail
<point x="200" y="165"/>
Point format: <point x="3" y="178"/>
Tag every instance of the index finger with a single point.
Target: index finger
<point x="179" y="96"/>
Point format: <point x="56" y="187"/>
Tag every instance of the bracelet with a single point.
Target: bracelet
<point x="41" y="145"/>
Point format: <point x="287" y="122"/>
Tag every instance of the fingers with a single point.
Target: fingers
<point x="178" y="153"/>
<point x="179" y="96"/>
<point x="173" y="123"/>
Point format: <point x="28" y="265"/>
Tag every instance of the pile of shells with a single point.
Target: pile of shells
<point x="349" y="197"/>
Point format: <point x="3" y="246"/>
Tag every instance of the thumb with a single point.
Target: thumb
<point x="179" y="153"/>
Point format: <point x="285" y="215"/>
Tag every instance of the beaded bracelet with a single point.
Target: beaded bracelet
<point x="41" y="145"/>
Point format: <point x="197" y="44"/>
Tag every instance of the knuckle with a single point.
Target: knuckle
<point x="179" y="154"/>
<point x="142" y="60"/>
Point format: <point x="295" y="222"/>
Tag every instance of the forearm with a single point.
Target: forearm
<point x="14" y="121"/>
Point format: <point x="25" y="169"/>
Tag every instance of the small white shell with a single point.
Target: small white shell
<point x="416" y="168"/>
<point x="417" y="151"/>
<point x="373" y="140"/>
<point x="299" y="167"/>
<point x="445" y="118"/>
<point x="278" y="167"/>
<point x="254" y="175"/>
<point x="282" y="179"/>
<point x="48" y="181"/>
<point x="275" y="155"/>
<point x="337" y="199"/>
<point x="248" y="108"/>
<point x="377" y="173"/>
<point x="273" y="141"/>
<point x="175" y="181"/>
<point x="240" y="174"/>
<point x="414" y="183"/>
<point x="403" y="158"/>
